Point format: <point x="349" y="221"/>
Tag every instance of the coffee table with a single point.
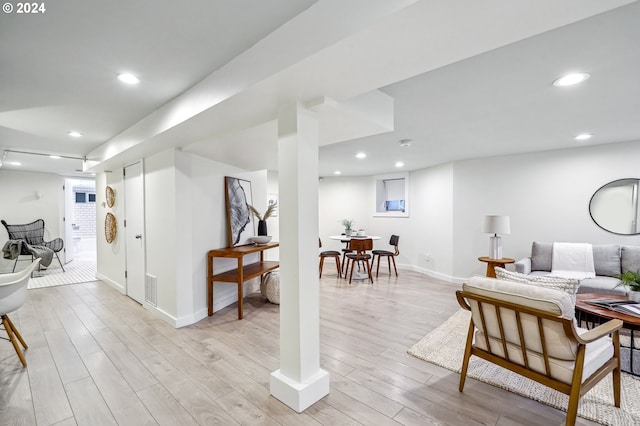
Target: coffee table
<point x="597" y="315"/>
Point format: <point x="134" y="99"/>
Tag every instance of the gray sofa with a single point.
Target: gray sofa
<point x="609" y="260"/>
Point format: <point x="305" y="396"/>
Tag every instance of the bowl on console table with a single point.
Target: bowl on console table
<point x="261" y="240"/>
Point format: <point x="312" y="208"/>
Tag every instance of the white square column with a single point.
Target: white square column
<point x="299" y="382"/>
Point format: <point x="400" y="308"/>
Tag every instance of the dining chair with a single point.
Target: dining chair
<point x="360" y="246"/>
<point x="13" y="293"/>
<point x="390" y="255"/>
<point x="346" y="250"/>
<point x="332" y="254"/>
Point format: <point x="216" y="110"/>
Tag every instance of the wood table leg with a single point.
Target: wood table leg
<point x="240" y="290"/>
<point x="210" y="285"/>
<point x="491" y="272"/>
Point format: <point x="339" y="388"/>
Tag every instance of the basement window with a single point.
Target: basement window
<point x="392" y="195"/>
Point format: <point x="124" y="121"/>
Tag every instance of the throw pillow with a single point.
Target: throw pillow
<point x="606" y="259"/>
<point x="541" y="256"/>
<point x="568" y="285"/>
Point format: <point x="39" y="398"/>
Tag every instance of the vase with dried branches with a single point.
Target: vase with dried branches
<point x="262" y="219"/>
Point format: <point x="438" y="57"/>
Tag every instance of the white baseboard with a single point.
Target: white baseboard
<point x="297" y="395"/>
<point x="112" y="283"/>
<point x="434" y="274"/>
<point x="177" y="322"/>
<point x="169" y="319"/>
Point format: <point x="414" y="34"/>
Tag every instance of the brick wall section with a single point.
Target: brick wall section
<point x="84" y="214"/>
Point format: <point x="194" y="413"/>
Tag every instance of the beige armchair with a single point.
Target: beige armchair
<point x="531" y="331"/>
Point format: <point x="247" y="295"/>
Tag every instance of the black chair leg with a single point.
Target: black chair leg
<point x="59" y="261"/>
<point x="394" y="266"/>
<point x="344" y="256"/>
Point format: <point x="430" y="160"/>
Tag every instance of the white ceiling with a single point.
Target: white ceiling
<point x="59" y="68"/>
<point x="465" y="83"/>
<point x="503" y="101"/>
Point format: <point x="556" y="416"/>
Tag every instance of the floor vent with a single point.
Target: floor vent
<point x="151" y="289"/>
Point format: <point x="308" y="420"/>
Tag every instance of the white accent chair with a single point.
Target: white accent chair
<point x="531" y="331"/>
<point x="13" y="293"/>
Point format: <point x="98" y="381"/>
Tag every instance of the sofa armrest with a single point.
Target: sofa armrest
<point x="523" y="265"/>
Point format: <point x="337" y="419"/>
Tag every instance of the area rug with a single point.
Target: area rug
<point x="76" y="271"/>
<point x="444" y="347"/>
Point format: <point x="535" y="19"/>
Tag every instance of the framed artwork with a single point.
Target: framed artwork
<point x="239" y="218"/>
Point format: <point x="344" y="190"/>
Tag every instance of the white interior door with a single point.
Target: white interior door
<point x="134" y="230"/>
<point x="69" y="203"/>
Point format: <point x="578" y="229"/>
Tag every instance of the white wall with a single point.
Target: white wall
<point x="344" y="198"/>
<point x="164" y="243"/>
<point x="110" y="257"/>
<point x="546" y="195"/>
<point x="19" y="204"/>
<point x="208" y="216"/>
<point x="273" y="223"/>
<point x="185" y="217"/>
<point x="425" y="236"/>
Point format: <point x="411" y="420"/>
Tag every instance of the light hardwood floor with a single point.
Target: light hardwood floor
<point x="98" y="358"/>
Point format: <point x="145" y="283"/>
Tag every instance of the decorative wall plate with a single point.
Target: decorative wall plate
<point x="110" y="228"/>
<point x="111" y="196"/>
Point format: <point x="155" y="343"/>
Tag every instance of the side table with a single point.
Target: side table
<point x="242" y="273"/>
<point x="492" y="263"/>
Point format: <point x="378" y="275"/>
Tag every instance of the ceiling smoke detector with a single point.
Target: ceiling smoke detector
<point x="405" y="143"/>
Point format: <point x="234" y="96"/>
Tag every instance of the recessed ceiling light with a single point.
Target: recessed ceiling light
<point x="405" y="143"/>
<point x="361" y="155"/>
<point x="128" y="78"/>
<point x="14" y="163"/>
<point x="399" y="164"/>
<point x="571" y="79"/>
<point x="75" y="134"/>
<point x="337" y="172"/>
<point x="583" y="136"/>
<point x="55" y="157"/>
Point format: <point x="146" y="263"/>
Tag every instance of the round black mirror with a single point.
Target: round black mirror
<point x="614" y="207"/>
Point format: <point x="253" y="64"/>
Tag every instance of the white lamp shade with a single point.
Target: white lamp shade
<point x="496" y="224"/>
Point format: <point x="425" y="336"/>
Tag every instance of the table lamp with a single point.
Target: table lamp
<point x="496" y="224"/>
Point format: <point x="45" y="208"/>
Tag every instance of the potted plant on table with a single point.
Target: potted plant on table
<point x="631" y="280"/>
<point x="262" y="219"/>
<point x="348" y="223"/>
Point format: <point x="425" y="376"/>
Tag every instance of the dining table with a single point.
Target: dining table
<point x="357" y="275"/>
<point x="349" y="237"/>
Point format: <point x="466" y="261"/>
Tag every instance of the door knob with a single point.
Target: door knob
<point x="139" y="236"/>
